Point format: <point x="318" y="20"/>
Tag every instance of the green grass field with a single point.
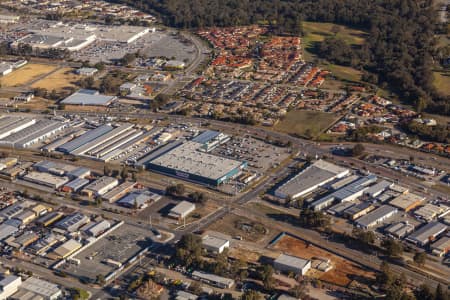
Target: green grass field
<point x="316" y="32"/>
<point x="442" y="82"/>
<point x="305" y="123"/>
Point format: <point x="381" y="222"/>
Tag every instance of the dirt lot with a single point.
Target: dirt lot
<point x="37" y="103"/>
<point x="343" y="271"/>
<point x="26" y="74"/>
<point x="59" y="80"/>
<point x="227" y="225"/>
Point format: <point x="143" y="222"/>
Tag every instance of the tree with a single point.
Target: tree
<point x="365" y="238"/>
<point x="177" y="190"/>
<point x="424" y="293"/>
<point x="393" y="247"/>
<point x="385" y="277"/>
<point x="239" y="269"/>
<point x="251" y="295"/>
<point x="265" y="273"/>
<point x="188" y="250"/>
<point x="358" y="150"/>
<point x="300" y="291"/>
<point x="124" y="173"/>
<point x="440" y="293"/>
<point x="420" y="258"/>
<point x="79" y="294"/>
<point x="98" y="201"/>
<point x="100" y="279"/>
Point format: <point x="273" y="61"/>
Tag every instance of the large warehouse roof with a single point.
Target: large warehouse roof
<point x="319" y="173"/>
<point x="85" y="138"/>
<point x="86" y="97"/>
<point x="186" y="158"/>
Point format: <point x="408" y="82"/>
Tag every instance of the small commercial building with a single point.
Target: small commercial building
<point x="9" y="285"/>
<point x="378" y="188"/>
<point x="358" y="210"/>
<point x="399" y="230"/>
<point x="71" y="223"/>
<point x="376" y="217"/>
<point x="288" y="263"/>
<point x="65" y="249"/>
<point x="6" y="230"/>
<point x="86" y="71"/>
<point x="429" y="211"/>
<point x="135" y="200"/>
<point x="182" y="210"/>
<point x="49" y="218"/>
<point x="214" y="280"/>
<point x="214" y="244"/>
<point x="23" y="240"/>
<point x="46" y="179"/>
<point x="441" y="247"/>
<point x="25" y="217"/>
<point x="39" y="288"/>
<point x="98" y="228"/>
<point x="75" y="185"/>
<point x="407" y="202"/>
<point x="100" y="186"/>
<point x="118" y="192"/>
<point x="427" y="233"/>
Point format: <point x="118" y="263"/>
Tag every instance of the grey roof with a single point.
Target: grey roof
<point x="340" y="207"/>
<point x="186" y="158"/>
<point x="8" y="280"/>
<point x="376" y="215"/>
<point x="182" y="207"/>
<point x="157" y="153"/>
<point x="213" y="241"/>
<point x="7" y="230"/>
<point x="77" y="183"/>
<point x="357" y="208"/>
<point x="85" y="138"/>
<point x="378" y="188"/>
<point x="206" y="136"/>
<point x="320" y="172"/>
<point x="213" y="278"/>
<point x="292" y="261"/>
<point x="78" y="172"/>
<point x="135" y="197"/>
<point x="41" y="287"/>
<point x="96" y="228"/>
<point x="88" y="98"/>
<point x="347" y="191"/>
<point x="72" y="221"/>
<point x="423" y="234"/>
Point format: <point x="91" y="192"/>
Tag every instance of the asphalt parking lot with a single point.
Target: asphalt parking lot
<point x="259" y="155"/>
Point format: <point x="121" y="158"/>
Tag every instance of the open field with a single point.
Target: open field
<point x="37" y="103"/>
<point x="26" y="74"/>
<point x="234" y="225"/>
<point x="442" y="82"/>
<point x="343" y="271"/>
<point x="344" y="73"/>
<point x="316" y="32"/>
<point x="306" y="123"/>
<point x="59" y="80"/>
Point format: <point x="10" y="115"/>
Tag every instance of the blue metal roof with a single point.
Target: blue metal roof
<point x="206" y="136"/>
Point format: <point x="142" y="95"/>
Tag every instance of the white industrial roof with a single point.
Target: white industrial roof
<point x="292" y="261"/>
<point x="186" y="158"/>
<point x="86" y="98"/>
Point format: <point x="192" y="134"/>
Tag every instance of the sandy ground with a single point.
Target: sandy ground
<point x="59" y="80"/>
<point x="343" y="271"/>
<point x="26" y="74"/>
